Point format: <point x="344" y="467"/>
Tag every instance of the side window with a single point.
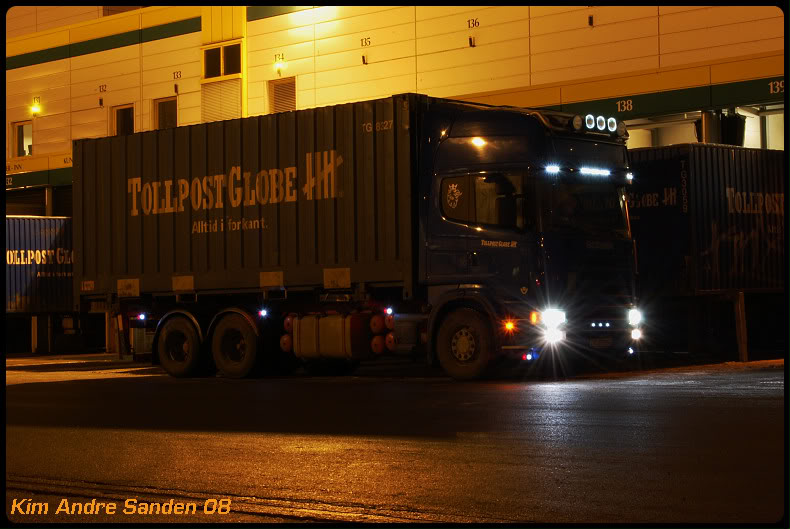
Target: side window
<point x="165" y="113"/>
<point x="232" y="59"/>
<point x="219" y="61"/>
<point x="123" y="120"/>
<point x="212" y="63"/>
<point x="23" y="138"/>
<point x="500" y="200"/>
<point x="456" y="197"/>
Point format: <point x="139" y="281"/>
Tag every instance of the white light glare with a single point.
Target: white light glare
<point x="634" y="317"/>
<point x="552" y="169"/>
<point x="478" y="142"/>
<point x="594" y="172"/>
<point x="636" y="334"/>
<point x="389" y="311"/>
<point x="141" y="317"/>
<point x="553" y="318"/>
<point x="263" y="313"/>
<point x="630" y="350"/>
<point x="529" y="356"/>
<point x="553" y="335"/>
<point x="629" y="176"/>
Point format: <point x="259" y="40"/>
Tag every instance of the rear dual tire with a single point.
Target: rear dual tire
<point x="234" y="346"/>
<point x="178" y="347"/>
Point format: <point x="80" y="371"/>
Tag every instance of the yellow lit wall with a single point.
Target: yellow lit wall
<point x="522" y="55"/>
<point x="70" y="88"/>
<point x="528" y="56"/>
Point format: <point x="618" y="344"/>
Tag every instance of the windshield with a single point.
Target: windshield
<point x="593" y="208"/>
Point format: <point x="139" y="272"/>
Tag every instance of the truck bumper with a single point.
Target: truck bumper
<point x="530" y="343"/>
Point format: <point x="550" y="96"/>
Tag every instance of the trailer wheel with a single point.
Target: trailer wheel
<point x="464" y="344"/>
<point x="179" y="347"/>
<point x="234" y="345"/>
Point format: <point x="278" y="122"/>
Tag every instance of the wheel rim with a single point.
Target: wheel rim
<point x="463" y="345"/>
<point x="233" y="345"/>
<point x="177" y="346"/>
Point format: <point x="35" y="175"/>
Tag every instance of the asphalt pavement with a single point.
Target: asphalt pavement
<point x="397" y="443"/>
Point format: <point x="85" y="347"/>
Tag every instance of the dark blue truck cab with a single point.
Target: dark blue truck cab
<point x="524" y="220"/>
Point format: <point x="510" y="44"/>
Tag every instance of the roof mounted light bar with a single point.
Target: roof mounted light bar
<point x="598" y="124"/>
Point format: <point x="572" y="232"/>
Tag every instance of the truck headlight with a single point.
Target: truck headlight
<point x="552" y="318"/>
<point x="553" y="335"/>
<point x="634" y="317"/>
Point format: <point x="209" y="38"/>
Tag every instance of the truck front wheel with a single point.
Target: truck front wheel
<point x="179" y="347"/>
<point x="464" y="344"/>
<point x="235" y="346"/>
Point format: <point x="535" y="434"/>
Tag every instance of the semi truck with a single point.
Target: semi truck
<point x="709" y="226"/>
<point x="467" y="233"/>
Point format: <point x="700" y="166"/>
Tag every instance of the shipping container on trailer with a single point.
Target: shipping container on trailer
<point x="39" y="264"/>
<point x="709" y="218"/>
<point x="297" y="199"/>
<point x="709" y="226"/>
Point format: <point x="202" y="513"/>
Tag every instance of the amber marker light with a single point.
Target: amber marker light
<point x="478" y="142"/>
<point x="534" y="317"/>
<point x="510" y="326"/>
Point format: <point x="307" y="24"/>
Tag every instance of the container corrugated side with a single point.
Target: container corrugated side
<point x="38" y="264"/>
<point x="305" y="197"/>
<point x="709" y="218"/>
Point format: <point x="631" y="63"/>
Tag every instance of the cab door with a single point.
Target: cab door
<point x="501" y="248"/>
<point x="449" y="230"/>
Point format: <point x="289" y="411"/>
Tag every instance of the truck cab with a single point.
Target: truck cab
<point x="527" y="250"/>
